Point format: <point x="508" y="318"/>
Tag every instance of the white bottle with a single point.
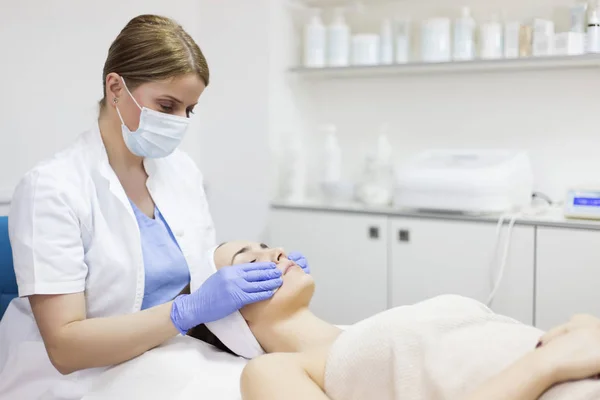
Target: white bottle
<point x="402" y="41"/>
<point x="332" y="163"/>
<point x="492" y="43"/>
<point x="436" y="40"/>
<point x="386" y="43"/>
<point x="338" y="41"/>
<point x="314" y="41"/>
<point x="543" y="37"/>
<point x="464" y="37"/>
<point x="593" y="33"/>
<point x="512" y="31"/>
<point x="295" y="171"/>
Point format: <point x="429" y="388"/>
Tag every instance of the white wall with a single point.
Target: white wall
<point x="234" y="114"/>
<point x="553" y="115"/>
<point x="53" y="52"/>
<point x="51" y="74"/>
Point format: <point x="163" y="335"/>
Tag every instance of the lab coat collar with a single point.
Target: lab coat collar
<point x="99" y="156"/>
<point x="157" y="183"/>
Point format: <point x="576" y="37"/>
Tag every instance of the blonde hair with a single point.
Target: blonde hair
<point x="152" y="48"/>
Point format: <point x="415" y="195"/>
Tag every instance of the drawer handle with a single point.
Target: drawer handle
<point x="374" y="232"/>
<point x="403" y="235"/>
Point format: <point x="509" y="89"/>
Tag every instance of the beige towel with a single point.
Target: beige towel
<point x="440" y="349"/>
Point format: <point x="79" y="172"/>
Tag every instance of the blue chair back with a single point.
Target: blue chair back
<point x="8" y="282"/>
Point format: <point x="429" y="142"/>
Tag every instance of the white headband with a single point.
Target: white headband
<point x="233" y="331"/>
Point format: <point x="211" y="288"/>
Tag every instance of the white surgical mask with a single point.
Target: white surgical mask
<point x="157" y="135"/>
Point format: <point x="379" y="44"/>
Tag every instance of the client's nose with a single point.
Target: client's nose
<point x="281" y="259"/>
<point x="277" y="254"/>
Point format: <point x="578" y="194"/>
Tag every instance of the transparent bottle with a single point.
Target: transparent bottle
<point x="377" y="182"/>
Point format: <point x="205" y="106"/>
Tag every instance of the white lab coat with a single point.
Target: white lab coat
<point x="72" y="229"/>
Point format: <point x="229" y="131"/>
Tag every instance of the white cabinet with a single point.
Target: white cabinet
<point x="434" y="257"/>
<point x="568" y="274"/>
<point x="348" y="259"/>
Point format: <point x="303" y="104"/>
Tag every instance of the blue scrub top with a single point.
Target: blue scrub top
<point x="166" y="269"/>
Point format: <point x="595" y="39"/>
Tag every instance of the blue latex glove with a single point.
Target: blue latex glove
<point x="300" y="260"/>
<point x="225" y="292"/>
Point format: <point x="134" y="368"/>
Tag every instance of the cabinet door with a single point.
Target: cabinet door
<point x="435" y="257"/>
<point x="348" y="258"/>
<point x="568" y="275"/>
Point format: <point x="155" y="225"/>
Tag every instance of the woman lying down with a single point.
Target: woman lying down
<point x="448" y="347"/>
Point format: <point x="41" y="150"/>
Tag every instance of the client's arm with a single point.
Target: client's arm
<point x="289" y="376"/>
<point x="568" y="353"/>
<point x="527" y="379"/>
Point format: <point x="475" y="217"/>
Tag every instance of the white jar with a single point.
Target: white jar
<point x="436" y="40"/>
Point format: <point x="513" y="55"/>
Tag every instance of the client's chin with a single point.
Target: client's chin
<point x="296" y="280"/>
<point x="294" y="295"/>
<point x="299" y="287"/>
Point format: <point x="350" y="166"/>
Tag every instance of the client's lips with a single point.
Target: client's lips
<point x="285" y="266"/>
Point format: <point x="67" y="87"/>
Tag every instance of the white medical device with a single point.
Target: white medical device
<point x="465" y="181"/>
<point x="583" y="203"/>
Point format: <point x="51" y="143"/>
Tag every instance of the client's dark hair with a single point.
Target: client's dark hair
<point x="201" y="332"/>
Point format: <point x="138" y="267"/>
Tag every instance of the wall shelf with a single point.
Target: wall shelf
<point x="588" y="61"/>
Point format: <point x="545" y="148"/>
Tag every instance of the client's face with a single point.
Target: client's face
<point x="295" y="293"/>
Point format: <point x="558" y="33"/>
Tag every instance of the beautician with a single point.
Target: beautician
<point x="109" y="231"/>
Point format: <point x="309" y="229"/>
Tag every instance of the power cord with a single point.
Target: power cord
<point x="531" y="212"/>
<point x="542" y="196"/>
<point x="498" y="281"/>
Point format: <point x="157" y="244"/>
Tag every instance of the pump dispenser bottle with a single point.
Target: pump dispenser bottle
<point x="315" y="41"/>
